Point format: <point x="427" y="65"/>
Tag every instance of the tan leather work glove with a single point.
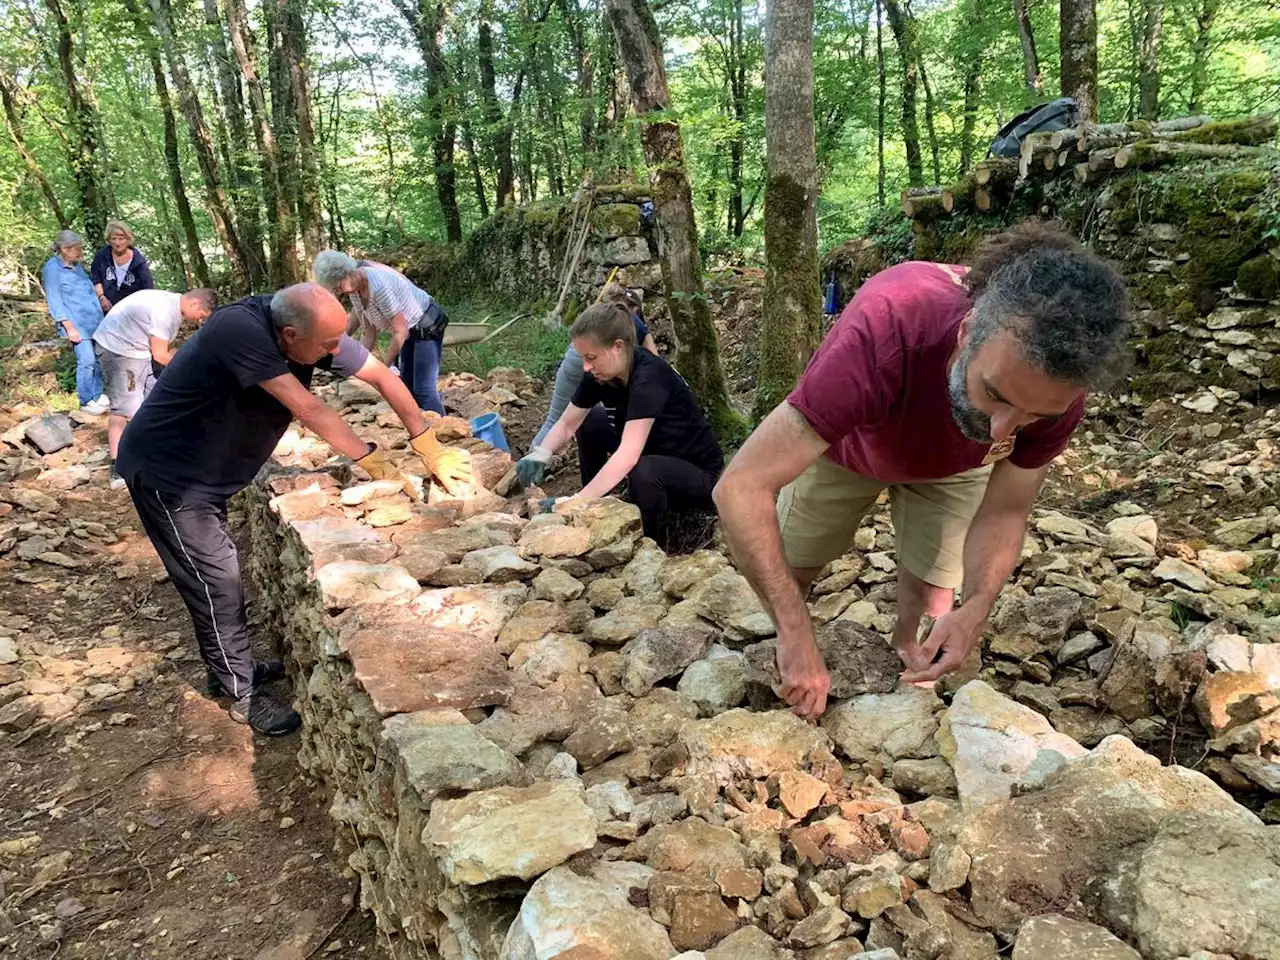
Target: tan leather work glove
<point x="376" y="465"/>
<point x="449" y="465"/>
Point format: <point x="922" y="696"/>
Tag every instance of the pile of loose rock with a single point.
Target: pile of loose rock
<point x="544" y="737"/>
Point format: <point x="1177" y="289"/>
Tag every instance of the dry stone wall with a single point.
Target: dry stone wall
<point x="544" y="737"/>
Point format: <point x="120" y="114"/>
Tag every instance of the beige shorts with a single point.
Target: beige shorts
<point x="821" y="510"/>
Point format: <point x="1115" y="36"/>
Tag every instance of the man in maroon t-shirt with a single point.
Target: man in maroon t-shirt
<point x="953" y="388"/>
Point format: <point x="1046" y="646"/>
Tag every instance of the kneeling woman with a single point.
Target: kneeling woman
<point x="636" y="420"/>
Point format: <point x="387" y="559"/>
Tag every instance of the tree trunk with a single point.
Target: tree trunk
<point x="930" y="127"/>
<point x="1201" y="47"/>
<point x="736" y="68"/>
<point x="246" y="195"/>
<point x="83" y="120"/>
<point x="215" y="193"/>
<point x="586" y="63"/>
<point x="1078" y="52"/>
<point x="1149" y="60"/>
<point x="284" y="254"/>
<point x="473" y="163"/>
<point x="697" y="352"/>
<point x="284" y="126"/>
<point x="972" y="82"/>
<point x="13" y="121"/>
<point x="791" y="328"/>
<point x="295" y="59"/>
<point x="881" y="102"/>
<point x="1030" y="60"/>
<point x="498" y="125"/>
<point x="426" y="20"/>
<point x="173" y="161"/>
<point x="903" y="27"/>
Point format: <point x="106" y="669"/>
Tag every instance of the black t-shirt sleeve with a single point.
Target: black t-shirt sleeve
<point x="351" y="356"/>
<point x="247" y="349"/>
<point x="588" y="393"/>
<point x="649" y="393"/>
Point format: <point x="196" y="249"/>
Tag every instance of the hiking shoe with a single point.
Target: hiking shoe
<point x="265" y="714"/>
<point x="114" y="480"/>
<point x="96" y="408"/>
<point x="264" y="672"/>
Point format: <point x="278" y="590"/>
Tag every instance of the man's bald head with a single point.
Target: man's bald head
<point x="308" y="320"/>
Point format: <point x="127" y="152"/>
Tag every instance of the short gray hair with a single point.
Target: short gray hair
<point x="295" y="307"/>
<point x="331" y="267"/>
<point x="67" y="238"/>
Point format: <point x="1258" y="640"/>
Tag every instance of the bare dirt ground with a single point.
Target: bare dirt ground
<point x="160" y="827"/>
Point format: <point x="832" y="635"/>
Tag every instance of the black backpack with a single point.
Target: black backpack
<point x="1061" y="114"/>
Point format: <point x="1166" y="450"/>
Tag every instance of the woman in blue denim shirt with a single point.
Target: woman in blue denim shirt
<point x="76" y="313"/>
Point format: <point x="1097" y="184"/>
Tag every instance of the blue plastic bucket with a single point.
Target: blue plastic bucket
<point x="488" y="427"/>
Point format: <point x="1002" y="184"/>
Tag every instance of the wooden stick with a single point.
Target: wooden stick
<point x="1081" y="172"/>
<point x="981" y="199"/>
<point x="1153" y="153"/>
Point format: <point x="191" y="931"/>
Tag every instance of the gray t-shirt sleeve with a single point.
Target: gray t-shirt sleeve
<point x="351" y="356"/>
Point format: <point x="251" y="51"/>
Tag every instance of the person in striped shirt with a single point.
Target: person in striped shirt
<point x="382" y="298"/>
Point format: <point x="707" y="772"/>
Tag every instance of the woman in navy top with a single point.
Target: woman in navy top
<point x="119" y="268"/>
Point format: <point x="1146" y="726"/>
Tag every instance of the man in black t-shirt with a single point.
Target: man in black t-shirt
<point x="206" y="429"/>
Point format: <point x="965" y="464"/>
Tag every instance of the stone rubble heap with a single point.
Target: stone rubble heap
<point x="544" y="737"/>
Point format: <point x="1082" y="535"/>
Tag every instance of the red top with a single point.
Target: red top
<point x="876" y="390"/>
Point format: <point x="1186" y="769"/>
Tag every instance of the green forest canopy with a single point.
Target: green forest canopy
<point x="330" y="122"/>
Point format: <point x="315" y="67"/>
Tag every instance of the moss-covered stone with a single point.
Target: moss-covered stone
<point x="612" y="220"/>
<point x="623" y="192"/>
<point x="1259" y="278"/>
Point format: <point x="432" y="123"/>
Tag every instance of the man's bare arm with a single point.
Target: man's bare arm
<point x="314" y="414"/>
<point x="779" y="450"/>
<point x="994" y="541"/>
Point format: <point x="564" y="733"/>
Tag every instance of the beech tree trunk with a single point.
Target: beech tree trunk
<point x="1201" y="48"/>
<point x="1149" y="60"/>
<point x="294" y="52"/>
<point x="903" y="28"/>
<point x="972" y="82"/>
<point x="1030" y="60"/>
<point x="284" y="266"/>
<point x="199" y="267"/>
<point x="792" y="316"/>
<point x="82" y="117"/>
<point x="13" y="122"/>
<point x="881" y="103"/>
<point x="1078" y="51"/>
<point x="426" y="20"/>
<point x="697" y="354"/>
<point x="499" y="126"/>
<point x="215" y="194"/>
<point x="246" y="194"/>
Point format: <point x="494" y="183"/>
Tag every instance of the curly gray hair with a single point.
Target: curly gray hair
<point x="331" y="267"/>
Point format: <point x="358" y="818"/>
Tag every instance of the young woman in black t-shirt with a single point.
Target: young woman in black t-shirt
<point x="635" y="419"/>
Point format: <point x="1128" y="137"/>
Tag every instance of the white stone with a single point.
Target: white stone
<point x="1171" y="569"/>
<point x="994" y="743"/>
<point x="899" y="724"/>
<point x="717" y="682"/>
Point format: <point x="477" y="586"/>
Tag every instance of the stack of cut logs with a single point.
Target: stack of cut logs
<point x="1091" y="151"/>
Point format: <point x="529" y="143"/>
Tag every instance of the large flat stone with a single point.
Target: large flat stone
<point x="405" y="666"/>
<point x="588" y="914"/>
<point x="331" y="539"/>
<point x="451" y="757"/>
<point x="1079" y="831"/>
<point x="346" y="583"/>
<point x="480" y="611"/>
<point x="509" y="831"/>
<point x="899" y="724"/>
<point x="859" y="660"/>
<point x="740" y="743"/>
<point x="1055" y="937"/>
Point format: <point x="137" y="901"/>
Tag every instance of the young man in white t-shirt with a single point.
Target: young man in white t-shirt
<point x="138" y="330"/>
